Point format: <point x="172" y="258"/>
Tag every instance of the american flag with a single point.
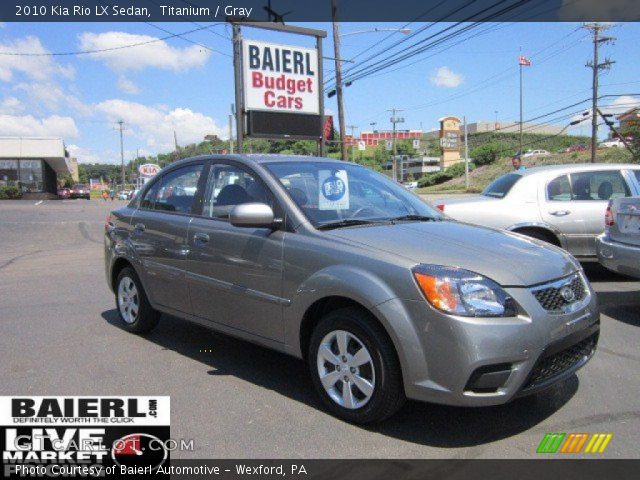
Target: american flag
<point x="524" y="61"/>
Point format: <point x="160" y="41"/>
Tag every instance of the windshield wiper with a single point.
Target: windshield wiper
<point x="349" y="222"/>
<point x="419" y="218"/>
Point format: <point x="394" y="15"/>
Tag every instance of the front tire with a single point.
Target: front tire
<point x="354" y="367"/>
<point x="136" y="314"/>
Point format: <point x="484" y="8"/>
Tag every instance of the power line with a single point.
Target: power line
<point x="415" y="49"/>
<point x="100" y="50"/>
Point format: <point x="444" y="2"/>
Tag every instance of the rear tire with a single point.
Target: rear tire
<point x="134" y="309"/>
<point x="348" y="350"/>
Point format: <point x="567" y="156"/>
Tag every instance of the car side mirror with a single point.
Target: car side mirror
<point x="252" y="215"/>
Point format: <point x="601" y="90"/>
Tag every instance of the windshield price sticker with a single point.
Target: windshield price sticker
<point x="333" y="188"/>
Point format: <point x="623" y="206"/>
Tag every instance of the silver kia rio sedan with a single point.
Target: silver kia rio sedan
<point x="383" y="296"/>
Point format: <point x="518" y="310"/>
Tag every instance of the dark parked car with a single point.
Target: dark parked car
<point x="81" y="191"/>
<point x="384" y="296"/>
<point x="64" y="193"/>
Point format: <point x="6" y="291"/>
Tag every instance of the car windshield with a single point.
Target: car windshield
<point x="501" y="186"/>
<point x="338" y="194"/>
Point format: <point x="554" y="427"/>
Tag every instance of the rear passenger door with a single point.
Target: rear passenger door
<point x="235" y="274"/>
<point x="159" y="235"/>
<point x="575" y="204"/>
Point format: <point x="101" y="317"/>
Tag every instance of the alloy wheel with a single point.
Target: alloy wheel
<point x="128" y="300"/>
<point x="346" y="369"/>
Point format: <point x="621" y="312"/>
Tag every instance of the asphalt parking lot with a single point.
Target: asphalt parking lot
<point x="59" y="336"/>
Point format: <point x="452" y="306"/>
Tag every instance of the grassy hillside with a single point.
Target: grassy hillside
<point x="482" y="176"/>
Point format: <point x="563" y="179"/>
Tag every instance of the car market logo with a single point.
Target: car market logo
<point x="139" y="450"/>
<point x="574" y="443"/>
<point x="80" y="436"/>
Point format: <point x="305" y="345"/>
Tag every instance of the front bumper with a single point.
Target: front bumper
<point x="442" y="356"/>
<point x="618" y="257"/>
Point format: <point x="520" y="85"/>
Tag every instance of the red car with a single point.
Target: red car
<point x="580" y="147"/>
<point x="64" y="193"/>
<point x="81" y="191"/>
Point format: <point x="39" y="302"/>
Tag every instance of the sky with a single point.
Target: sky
<point x="186" y="84"/>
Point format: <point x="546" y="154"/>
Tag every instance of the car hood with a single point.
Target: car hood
<point x="507" y="258"/>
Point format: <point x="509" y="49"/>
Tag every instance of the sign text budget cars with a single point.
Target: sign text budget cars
<point x="280" y="78"/>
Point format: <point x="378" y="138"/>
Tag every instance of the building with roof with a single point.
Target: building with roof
<point x="33" y="164"/>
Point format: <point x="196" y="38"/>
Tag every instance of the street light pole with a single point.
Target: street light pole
<point x="122" y="172"/>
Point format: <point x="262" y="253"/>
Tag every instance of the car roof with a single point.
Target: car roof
<point x="575" y="167"/>
<point x="261" y="158"/>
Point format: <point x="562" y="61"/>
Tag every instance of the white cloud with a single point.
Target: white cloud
<point x="84" y="155"/>
<point x="158" y="54"/>
<point x="28" y="125"/>
<point x="40" y="68"/>
<point x="11" y="105"/>
<point x="52" y="97"/>
<point x="127" y="86"/>
<point x="445" y="77"/>
<point x="156" y="125"/>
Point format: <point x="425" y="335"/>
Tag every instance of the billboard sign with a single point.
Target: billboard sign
<point x="280" y="78"/>
<point x="148" y="169"/>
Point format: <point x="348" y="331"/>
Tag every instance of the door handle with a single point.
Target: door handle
<point x="201" y="238"/>
<point x="139" y="227"/>
<point x="560" y="213"/>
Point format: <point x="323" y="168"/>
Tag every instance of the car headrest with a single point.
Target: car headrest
<point x="232" y="195"/>
<point x="605" y="190"/>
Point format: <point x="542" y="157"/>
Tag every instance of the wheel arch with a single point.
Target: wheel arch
<point x="552" y="233"/>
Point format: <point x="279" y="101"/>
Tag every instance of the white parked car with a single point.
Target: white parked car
<point x="536" y="153"/>
<point x="561" y="204"/>
<point x="613" y="143"/>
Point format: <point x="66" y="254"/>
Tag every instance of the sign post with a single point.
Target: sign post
<point x="278" y="88"/>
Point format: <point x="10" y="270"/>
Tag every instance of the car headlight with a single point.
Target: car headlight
<point x="460" y="292"/>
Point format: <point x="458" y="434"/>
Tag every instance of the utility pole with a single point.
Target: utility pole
<point x="175" y="141"/>
<point x="353" y="141"/>
<point x="237" y="66"/>
<point x="121" y="126"/>
<point x="595" y="29"/>
<point x="338" y="62"/>
<point x="466" y="155"/>
<point x="395" y="120"/>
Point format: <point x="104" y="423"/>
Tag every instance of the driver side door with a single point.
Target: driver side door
<point x="235" y="273"/>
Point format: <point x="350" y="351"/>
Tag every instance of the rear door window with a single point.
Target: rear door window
<point x="602" y="185"/>
<point x="178" y="189"/>
<point x="559" y="189"/>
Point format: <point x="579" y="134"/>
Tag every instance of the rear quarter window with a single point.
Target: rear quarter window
<point x="501" y="186"/>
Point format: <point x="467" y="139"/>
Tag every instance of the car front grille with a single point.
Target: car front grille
<point x="549" y="367"/>
<point x="558" y="296"/>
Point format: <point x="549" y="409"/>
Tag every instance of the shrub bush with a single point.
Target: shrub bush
<point x="10" y="193"/>
<point x="489" y="153"/>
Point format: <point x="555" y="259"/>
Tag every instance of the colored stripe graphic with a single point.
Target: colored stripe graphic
<point x="550" y="443"/>
<point x="574" y="442"/>
<point x="598" y="442"/>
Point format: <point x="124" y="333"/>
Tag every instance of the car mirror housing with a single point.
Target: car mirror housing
<point x="252" y="215"/>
